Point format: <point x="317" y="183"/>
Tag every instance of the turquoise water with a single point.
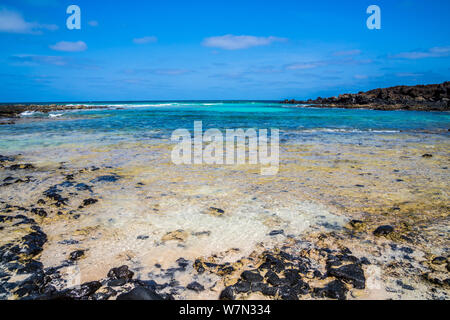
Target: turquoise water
<point x="156" y="120"/>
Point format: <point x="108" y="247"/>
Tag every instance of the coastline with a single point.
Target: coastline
<point x="341" y="221"/>
<point x="433" y="97"/>
<point x="13" y="111"/>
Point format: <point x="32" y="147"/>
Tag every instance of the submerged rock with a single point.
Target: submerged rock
<point x="90" y="201"/>
<point x="106" y="178"/>
<point x="439" y="260"/>
<point x="383" y="230"/>
<point x="216" y="212"/>
<point x="195" y="286"/>
<point x="76" y="255"/>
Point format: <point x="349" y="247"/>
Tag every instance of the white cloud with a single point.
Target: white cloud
<point x="31" y="60"/>
<point x="69" y="46"/>
<point x="435" y="52"/>
<point x="232" y="42"/>
<point x="145" y="40"/>
<point x="408" y="75"/>
<point x="305" y="66"/>
<point x="347" y="53"/>
<point x="13" y="22"/>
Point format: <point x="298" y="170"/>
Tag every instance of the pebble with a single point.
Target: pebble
<point x="76" y="255"/>
<point x="195" y="286"/>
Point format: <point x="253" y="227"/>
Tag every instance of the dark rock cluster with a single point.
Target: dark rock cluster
<point x="287" y="276"/>
<point x="433" y="97"/>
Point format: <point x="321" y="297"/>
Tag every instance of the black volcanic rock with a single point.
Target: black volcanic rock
<point x="433" y="97"/>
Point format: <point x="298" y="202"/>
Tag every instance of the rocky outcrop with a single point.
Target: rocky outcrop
<point x="433" y="97"/>
<point x="14" y="110"/>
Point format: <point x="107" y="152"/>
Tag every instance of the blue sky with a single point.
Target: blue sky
<point x="166" y="50"/>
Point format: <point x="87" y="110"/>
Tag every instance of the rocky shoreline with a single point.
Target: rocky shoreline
<point x="434" y="97"/>
<point x="13" y="111"/>
<point x="321" y="266"/>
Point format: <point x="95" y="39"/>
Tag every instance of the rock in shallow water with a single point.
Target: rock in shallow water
<point x="121" y="273"/>
<point x="333" y="290"/>
<point x="351" y="273"/>
<point x="251" y="276"/>
<point x="227" y="294"/>
<point x="195" y="286"/>
<point x="383" y="230"/>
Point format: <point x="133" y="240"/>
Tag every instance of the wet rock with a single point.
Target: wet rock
<point x="356" y="223"/>
<point x="270" y="291"/>
<point x="83" y="187"/>
<point x="77" y="255"/>
<point x="227" y="294"/>
<point x="258" y="286"/>
<point x="84" y="291"/>
<point x="178" y="235"/>
<point x="104" y="294"/>
<point x="30" y="267"/>
<point x="121" y="273"/>
<point x="183" y="263"/>
<point x="41" y="201"/>
<point x="88" y="202"/>
<point x="351" y="273"/>
<point x="405" y="286"/>
<point x="383" y="230"/>
<point x="6" y="159"/>
<point x="195" y="286"/>
<point x="251" y="276"/>
<point x="199" y="266"/>
<point x="439" y="260"/>
<point x="106" y="178"/>
<point x="69" y="242"/>
<point x="272" y="263"/>
<point x="33" y="243"/>
<point x="140" y="293"/>
<point x="117" y="282"/>
<point x="273" y="279"/>
<point x="242" y="287"/>
<point x="40" y="212"/>
<point x="216" y="212"/>
<point x="26" y="166"/>
<point x="276" y="232"/>
<point x="54" y="194"/>
<point x="333" y="290"/>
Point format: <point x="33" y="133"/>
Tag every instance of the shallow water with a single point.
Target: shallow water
<point x="326" y="155"/>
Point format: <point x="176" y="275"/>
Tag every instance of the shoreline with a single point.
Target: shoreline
<point x="432" y="97"/>
<point x="13" y="111"/>
<point x="323" y="225"/>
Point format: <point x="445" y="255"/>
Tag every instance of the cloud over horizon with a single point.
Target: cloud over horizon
<point x="68" y="46"/>
<point x="435" y="52"/>
<point x="13" y="22"/>
<point x="145" y="40"/>
<point x="232" y="42"/>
